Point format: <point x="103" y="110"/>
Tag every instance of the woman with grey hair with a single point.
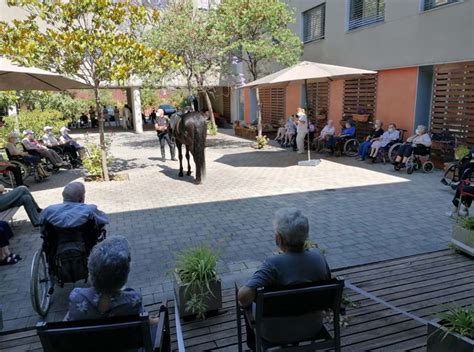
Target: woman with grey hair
<point x="109" y="266"/>
<point x="418" y="143"/>
<point x="294" y="266"/>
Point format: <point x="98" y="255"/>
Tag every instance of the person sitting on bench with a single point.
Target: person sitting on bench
<point x="73" y="212"/>
<point x="295" y="266"/>
<point x="18" y="197"/>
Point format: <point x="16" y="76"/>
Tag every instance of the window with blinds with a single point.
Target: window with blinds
<point x="313" y="23"/>
<point x="365" y="12"/>
<point x="432" y="4"/>
<point x="272" y="101"/>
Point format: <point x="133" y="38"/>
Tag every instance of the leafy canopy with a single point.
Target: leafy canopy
<point x="257" y="33"/>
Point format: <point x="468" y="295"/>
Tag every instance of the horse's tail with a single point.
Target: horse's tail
<point x="200" y="135"/>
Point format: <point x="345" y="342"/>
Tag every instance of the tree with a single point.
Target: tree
<point x="98" y="41"/>
<point x="257" y="33"/>
<point x="191" y="34"/>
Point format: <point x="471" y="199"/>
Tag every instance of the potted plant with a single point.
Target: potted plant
<point x="453" y="331"/>
<point x="463" y="235"/>
<point x="197" y="285"/>
<point x="361" y="116"/>
<point x="322" y="115"/>
<point x="262" y="142"/>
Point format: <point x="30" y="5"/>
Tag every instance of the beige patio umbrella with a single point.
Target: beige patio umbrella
<point x="306" y="71"/>
<point x="16" y="77"/>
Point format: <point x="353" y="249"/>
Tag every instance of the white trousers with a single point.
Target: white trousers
<point x="300" y="141"/>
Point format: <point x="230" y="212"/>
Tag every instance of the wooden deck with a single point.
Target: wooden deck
<point x="393" y="299"/>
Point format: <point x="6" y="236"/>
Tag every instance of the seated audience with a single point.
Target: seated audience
<point x="392" y="134"/>
<point x="466" y="201"/>
<point x="374" y="135"/>
<point x="73" y="212"/>
<point x="14" y="151"/>
<point x="295" y="266"/>
<point x="281" y="131"/>
<point x="335" y="143"/>
<point x="6" y="257"/>
<point x="15" y="170"/>
<point x="327" y="132"/>
<point x="109" y="266"/>
<point x="66" y="139"/>
<point x="418" y="144"/>
<point x="18" y="197"/>
<point x="51" y="142"/>
<point x="290" y="131"/>
<point x="311" y="131"/>
<point x="33" y="147"/>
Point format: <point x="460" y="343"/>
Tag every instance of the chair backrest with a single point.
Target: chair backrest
<point x="401" y="134"/>
<point x="102" y="335"/>
<point x="299" y="299"/>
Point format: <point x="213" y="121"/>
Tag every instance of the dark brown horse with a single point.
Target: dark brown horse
<point x="190" y="129"/>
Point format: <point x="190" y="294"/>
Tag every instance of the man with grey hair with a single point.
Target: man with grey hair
<point x="418" y="144"/>
<point x="294" y="266"/>
<point x="73" y="212"/>
<point x="161" y="126"/>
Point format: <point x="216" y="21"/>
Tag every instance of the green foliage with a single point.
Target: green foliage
<point x="459" y="320"/>
<point x="196" y="268"/>
<point x="92" y="161"/>
<point x="256" y="32"/>
<point x="211" y="128"/>
<point x="262" y="141"/>
<point x="467" y="222"/>
<point x="34" y="120"/>
<point x="461" y="151"/>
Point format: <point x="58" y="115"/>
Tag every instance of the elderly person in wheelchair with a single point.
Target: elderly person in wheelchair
<point x="389" y="136"/>
<point x="294" y="266"/>
<point x="418" y="145"/>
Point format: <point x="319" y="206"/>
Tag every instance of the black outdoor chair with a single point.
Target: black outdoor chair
<point x="124" y="333"/>
<point x="293" y="302"/>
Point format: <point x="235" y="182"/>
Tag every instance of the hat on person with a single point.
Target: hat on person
<point x="47" y="128"/>
<point x="64" y="129"/>
<point x="27" y="132"/>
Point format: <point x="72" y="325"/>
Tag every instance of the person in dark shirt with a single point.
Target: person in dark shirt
<point x="374" y="135"/>
<point x="294" y="266"/>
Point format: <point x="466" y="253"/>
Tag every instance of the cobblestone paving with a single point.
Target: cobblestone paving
<point x="358" y="213"/>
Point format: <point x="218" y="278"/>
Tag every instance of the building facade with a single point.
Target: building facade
<point x="423" y="51"/>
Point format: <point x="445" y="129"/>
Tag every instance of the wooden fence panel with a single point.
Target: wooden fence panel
<point x="272" y="100"/>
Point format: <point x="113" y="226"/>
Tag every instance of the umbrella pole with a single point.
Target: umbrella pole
<point x="307" y="122"/>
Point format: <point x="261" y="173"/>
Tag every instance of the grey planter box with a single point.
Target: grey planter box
<point x="213" y="299"/>
<point x="437" y="342"/>
<point x="463" y="239"/>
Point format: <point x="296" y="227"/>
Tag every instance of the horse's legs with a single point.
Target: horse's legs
<point x="180" y="156"/>
<point x="189" y="164"/>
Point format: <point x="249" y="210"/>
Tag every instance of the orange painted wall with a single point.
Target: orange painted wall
<point x="336" y="94"/>
<point x="247" y="105"/>
<point x="293" y="98"/>
<point x="396" y="97"/>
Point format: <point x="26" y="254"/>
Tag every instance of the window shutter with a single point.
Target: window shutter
<point x="365" y="12"/>
<point x="318" y="101"/>
<point x="313" y="23"/>
<point x="272" y="101"/>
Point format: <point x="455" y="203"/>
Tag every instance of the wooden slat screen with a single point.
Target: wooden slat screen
<point x="318" y="101"/>
<point x="226" y="102"/>
<point x="360" y="95"/>
<point x="272" y="100"/>
<point x="452" y="109"/>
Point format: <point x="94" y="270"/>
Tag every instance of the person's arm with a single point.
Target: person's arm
<point x="100" y="217"/>
<point x="426" y="140"/>
<point x="411" y="138"/>
<point x="263" y="277"/>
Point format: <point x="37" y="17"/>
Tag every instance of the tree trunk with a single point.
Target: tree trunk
<point x="100" y="117"/>
<point x="259" y="113"/>
<point x="209" y="107"/>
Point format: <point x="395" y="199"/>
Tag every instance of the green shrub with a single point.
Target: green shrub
<point x="262" y="142"/>
<point x="196" y="267"/>
<point x="211" y="128"/>
<point x="459" y="320"/>
<point x="467" y="222"/>
<point x="92" y="160"/>
<point x="34" y="120"/>
<point x="461" y="151"/>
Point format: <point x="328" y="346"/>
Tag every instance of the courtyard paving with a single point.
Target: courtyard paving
<point x="358" y="212"/>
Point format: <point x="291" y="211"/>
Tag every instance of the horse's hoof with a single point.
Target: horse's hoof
<point x="181" y="174"/>
<point x="188" y="173"/>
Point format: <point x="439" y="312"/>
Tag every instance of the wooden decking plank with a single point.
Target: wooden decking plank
<point x="207" y="346"/>
<point x="17" y="335"/>
<point x="18" y="342"/>
<point x="407" y="345"/>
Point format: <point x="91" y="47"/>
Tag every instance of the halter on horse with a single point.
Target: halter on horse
<point x="190" y="129"/>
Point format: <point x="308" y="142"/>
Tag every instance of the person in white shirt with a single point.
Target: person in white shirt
<point x="301" y="129"/>
<point x="418" y="143"/>
<point x="32" y="146"/>
<point x="328" y="131"/>
<point x="392" y="134"/>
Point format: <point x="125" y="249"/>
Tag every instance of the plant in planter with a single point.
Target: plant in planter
<point x="453" y="331"/>
<point x="463" y="235"/>
<point x="361" y="116"/>
<point x="262" y="142"/>
<point x="461" y="151"/>
<point x="197" y="285"/>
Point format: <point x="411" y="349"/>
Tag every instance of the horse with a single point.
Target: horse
<point x="190" y="129"/>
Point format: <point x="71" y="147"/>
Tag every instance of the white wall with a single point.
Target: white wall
<point x="407" y="37"/>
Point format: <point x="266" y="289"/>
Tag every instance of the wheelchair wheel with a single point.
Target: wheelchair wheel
<point x="410" y="170"/>
<point x="451" y="175"/>
<point x="427" y="166"/>
<point x="393" y="152"/>
<point x="41" y="285"/>
<point x="351" y="147"/>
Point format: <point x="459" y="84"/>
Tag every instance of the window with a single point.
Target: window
<point x="432" y="4"/>
<point x="313" y="23"/>
<point x="365" y="12"/>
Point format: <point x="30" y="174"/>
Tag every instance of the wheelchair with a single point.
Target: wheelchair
<point x="61" y="259"/>
<point x="420" y="160"/>
<point x="27" y="168"/>
<point x="390" y="151"/>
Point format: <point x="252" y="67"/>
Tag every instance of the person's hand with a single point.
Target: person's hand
<point x="2" y="188"/>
